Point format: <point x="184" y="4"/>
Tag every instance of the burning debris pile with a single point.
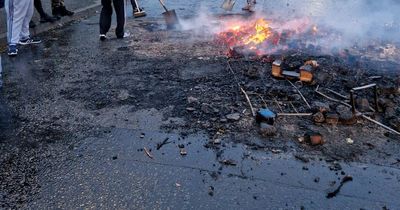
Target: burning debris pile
<point x="285" y="85"/>
<point x="260" y="37"/>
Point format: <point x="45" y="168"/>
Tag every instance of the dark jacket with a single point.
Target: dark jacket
<point x="1" y="3"/>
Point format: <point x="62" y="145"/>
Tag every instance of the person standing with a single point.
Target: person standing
<point x="59" y="9"/>
<point x="19" y="14"/>
<point x="44" y="17"/>
<point x="105" y="18"/>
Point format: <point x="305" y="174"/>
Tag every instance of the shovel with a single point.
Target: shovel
<point x="228" y="5"/>
<point x="170" y="17"/>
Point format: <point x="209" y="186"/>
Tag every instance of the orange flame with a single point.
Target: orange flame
<point x="261" y="34"/>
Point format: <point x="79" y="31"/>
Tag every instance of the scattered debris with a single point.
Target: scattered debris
<point x="178" y="185"/>
<point x="349" y="141"/>
<point x="267" y="130"/>
<point x="233" y="116"/>
<point x="314" y="138"/>
<point x="148" y="153"/>
<point x="115" y="157"/>
<point x="316" y="179"/>
<point x="319" y="117"/>
<point x="211" y="191"/>
<point x="159" y="145"/>
<point x="345" y="179"/>
<point x="228" y="162"/>
<point x="192" y="100"/>
<point x="183" y="151"/>
<point x="332" y="118"/>
<point x="265" y="116"/>
<point x="302" y="158"/>
<point x="142" y="135"/>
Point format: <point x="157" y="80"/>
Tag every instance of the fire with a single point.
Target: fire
<point x="262" y="32"/>
<point x="250" y="36"/>
<point x="261" y="36"/>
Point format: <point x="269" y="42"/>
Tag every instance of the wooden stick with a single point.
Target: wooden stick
<point x="359" y="114"/>
<point x="294" y="107"/>
<point x="338" y="94"/>
<point x="332" y="99"/>
<point x="148" y="153"/>
<point x="277" y="103"/>
<point x="380" y="124"/>
<point x="241" y="89"/>
<point x="294" y="114"/>
<point x="304" y="99"/>
<point x="248" y="101"/>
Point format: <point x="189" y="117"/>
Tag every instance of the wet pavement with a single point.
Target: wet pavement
<point x="89" y="110"/>
<point x="115" y="172"/>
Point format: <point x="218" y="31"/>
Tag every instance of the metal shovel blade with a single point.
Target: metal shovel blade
<point x="228" y="5"/>
<point x="171" y="19"/>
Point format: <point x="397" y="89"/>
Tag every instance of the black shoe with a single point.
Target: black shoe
<point x="61" y="12"/>
<point x="32" y="24"/>
<point x="65" y="12"/>
<point x="48" y="19"/>
<point x="103" y="37"/>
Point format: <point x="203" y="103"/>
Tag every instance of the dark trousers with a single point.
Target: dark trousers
<point x="106" y="13"/>
<point x="134" y="6"/>
<point x="39" y="7"/>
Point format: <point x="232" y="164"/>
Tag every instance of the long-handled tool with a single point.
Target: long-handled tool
<point x="139" y="12"/>
<point x="170" y="17"/>
<point x="228" y="5"/>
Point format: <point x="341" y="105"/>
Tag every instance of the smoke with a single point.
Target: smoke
<point x="342" y="23"/>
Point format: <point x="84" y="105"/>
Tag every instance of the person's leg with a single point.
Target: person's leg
<point x="59" y="9"/>
<point x="119" y="7"/>
<point x="28" y="17"/>
<point x="105" y="16"/>
<point x="134" y="6"/>
<point x="16" y="12"/>
<point x="39" y="8"/>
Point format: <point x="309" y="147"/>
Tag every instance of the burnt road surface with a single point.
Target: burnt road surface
<point x="83" y="122"/>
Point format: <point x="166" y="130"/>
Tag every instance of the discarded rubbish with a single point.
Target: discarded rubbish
<point x="161" y="144"/>
<point x="345" y="179"/>
<point x="314" y="138"/>
<point x="266" y="116"/>
<point x="228" y="162"/>
<point x="349" y="141"/>
<point x="148" y="153"/>
<point x="183" y="151"/>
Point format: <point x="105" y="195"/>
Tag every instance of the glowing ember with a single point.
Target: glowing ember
<point x="263" y="37"/>
<point x="261" y="34"/>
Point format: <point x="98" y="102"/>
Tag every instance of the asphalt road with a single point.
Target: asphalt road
<point x="112" y="170"/>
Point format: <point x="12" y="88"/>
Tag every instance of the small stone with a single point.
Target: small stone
<point x="362" y="105"/>
<point x="233" y="117"/>
<point x="142" y="135"/>
<point x="316" y="179"/>
<point x="190" y="109"/>
<point x="123" y="95"/>
<point x="267" y="130"/>
<point x="319" y="117"/>
<point x="314" y="138"/>
<point x="183" y="152"/>
<point x="332" y="118"/>
<point x="321" y="107"/>
<point x="390" y="112"/>
<point x="217" y="141"/>
<point x="349" y="141"/>
<point x="192" y="100"/>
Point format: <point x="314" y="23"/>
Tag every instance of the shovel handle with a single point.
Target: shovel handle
<point x="163" y="5"/>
